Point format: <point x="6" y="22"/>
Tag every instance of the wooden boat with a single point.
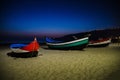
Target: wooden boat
<point x="74" y="44"/>
<point x="102" y="42"/>
<point x="23" y="50"/>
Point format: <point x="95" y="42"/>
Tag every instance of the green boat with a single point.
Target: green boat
<point x="78" y="44"/>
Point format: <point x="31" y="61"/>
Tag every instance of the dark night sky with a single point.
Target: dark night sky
<point x="56" y="17"/>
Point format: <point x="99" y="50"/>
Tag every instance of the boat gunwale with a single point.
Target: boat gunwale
<point x="65" y="43"/>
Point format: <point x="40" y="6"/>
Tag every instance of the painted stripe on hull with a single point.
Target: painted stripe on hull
<point x="18" y="50"/>
<point x="79" y="43"/>
<point x="100" y="43"/>
<point x="70" y="42"/>
<point x="79" y="47"/>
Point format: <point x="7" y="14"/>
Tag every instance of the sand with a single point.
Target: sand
<point x="89" y="64"/>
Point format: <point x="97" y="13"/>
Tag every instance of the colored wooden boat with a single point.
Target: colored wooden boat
<point x="74" y="44"/>
<point x="103" y="42"/>
<point x="24" y="50"/>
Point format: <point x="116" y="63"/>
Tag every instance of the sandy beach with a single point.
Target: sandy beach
<point x="88" y="64"/>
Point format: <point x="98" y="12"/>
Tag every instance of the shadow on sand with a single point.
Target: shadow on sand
<point x="115" y="75"/>
<point x="23" y="55"/>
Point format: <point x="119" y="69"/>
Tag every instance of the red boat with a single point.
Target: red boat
<point x="24" y="50"/>
<point x="102" y="42"/>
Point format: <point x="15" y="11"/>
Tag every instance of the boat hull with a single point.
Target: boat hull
<point x="22" y="50"/>
<point x="78" y="47"/>
<point x="100" y="44"/>
<point x="76" y="44"/>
